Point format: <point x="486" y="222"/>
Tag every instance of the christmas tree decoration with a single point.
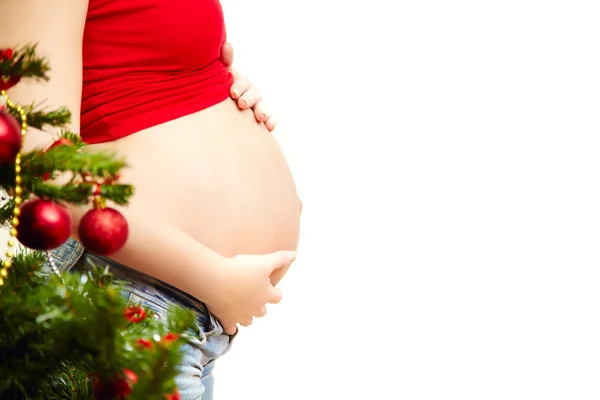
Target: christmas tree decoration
<point x="15" y="169"/>
<point x="70" y="335"/>
<point x="10" y="137"/>
<point x="7" y="81"/>
<point x="44" y="225"/>
<point x="103" y="230"/>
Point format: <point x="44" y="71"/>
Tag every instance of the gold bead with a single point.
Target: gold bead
<point x="13" y="232"/>
<point x="18" y="167"/>
<point x="1" y="281"/>
<point x="18" y="190"/>
<point x="9" y="254"/>
<point x="18" y="200"/>
<point x="18" y="179"/>
<point x="17" y="211"/>
<point x="7" y="263"/>
<point x="11" y="243"/>
<point x="4" y="272"/>
<point x="18" y="159"/>
<point x="15" y="221"/>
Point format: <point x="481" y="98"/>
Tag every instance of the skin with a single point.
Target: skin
<point x="246" y="95"/>
<point x="216" y="215"/>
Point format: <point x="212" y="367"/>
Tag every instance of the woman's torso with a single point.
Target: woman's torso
<point x="214" y="173"/>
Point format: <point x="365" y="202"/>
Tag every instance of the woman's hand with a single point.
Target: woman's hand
<point x="244" y="92"/>
<point x="244" y="288"/>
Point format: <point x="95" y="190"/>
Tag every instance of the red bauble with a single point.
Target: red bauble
<point x="103" y="231"/>
<point x="10" y="138"/>
<point x="43" y="225"/>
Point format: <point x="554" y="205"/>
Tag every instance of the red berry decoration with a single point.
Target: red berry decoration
<point x="103" y="230"/>
<point x="144" y="343"/>
<point x="134" y="314"/>
<point x="43" y="225"/>
<point x="170" y="337"/>
<point x="10" y="138"/>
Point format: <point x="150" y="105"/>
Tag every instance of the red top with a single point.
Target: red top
<point x="146" y="62"/>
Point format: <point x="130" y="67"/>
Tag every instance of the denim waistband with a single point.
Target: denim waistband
<point x="72" y="256"/>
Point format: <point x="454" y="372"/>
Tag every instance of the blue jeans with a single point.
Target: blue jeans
<point x="195" y="380"/>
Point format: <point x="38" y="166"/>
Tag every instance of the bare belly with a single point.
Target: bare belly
<point x="217" y="175"/>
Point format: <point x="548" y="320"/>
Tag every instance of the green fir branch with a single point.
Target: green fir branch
<point x="69" y="382"/>
<point x="39" y="165"/>
<point x="54" y="334"/>
<point x="59" y="334"/>
<point x="80" y="193"/>
<point x="25" y="63"/>
<point x="37" y="118"/>
<point x="6" y="213"/>
<point x="70" y="158"/>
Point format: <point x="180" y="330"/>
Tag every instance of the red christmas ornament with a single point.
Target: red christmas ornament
<point x="103" y="230"/>
<point x="6" y="82"/>
<point x="43" y="225"/>
<point x="10" y="137"/>
<point x="118" y="388"/>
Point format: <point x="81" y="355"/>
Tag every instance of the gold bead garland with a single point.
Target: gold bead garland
<point x="18" y="190"/>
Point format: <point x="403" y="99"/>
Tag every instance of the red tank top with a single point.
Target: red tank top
<point x="146" y="62"/>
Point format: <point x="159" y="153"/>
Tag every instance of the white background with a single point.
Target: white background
<point x="448" y="156"/>
<point x="447" y="153"/>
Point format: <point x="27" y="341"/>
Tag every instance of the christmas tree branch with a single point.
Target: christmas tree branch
<point x="37" y="118"/>
<point x="72" y="337"/>
<point x="79" y="193"/>
<point x="69" y="382"/>
<point x="89" y="170"/>
<point x="73" y="159"/>
<point x="53" y="331"/>
<point x="23" y="62"/>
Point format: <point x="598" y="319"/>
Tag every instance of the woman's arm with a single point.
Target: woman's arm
<point x="57" y="26"/>
<point x="234" y="288"/>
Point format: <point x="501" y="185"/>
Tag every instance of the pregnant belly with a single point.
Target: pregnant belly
<point x="217" y="175"/>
